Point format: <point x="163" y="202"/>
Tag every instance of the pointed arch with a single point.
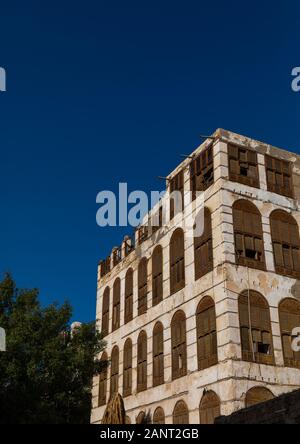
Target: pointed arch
<point x="248" y="235"/>
<point x="286" y="243"/>
<point x="209" y="407"/>
<point x="158" y="354"/>
<point x="178" y="340"/>
<point x="177" y="267"/>
<point x="289" y="318"/>
<point x="128" y="306"/>
<point x="206" y="333"/>
<point x="255" y="328"/>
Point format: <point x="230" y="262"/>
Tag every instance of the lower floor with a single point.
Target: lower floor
<point x="200" y="397"/>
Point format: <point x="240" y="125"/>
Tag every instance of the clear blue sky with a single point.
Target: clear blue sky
<point x="102" y="92"/>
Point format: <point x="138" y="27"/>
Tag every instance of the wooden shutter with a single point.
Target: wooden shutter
<point x="243" y="167"/>
<point x="177" y="267"/>
<point x="157" y="280"/>
<point x="279" y="176"/>
<point x="114" y="375"/>
<point x="105" y="312"/>
<point x="176" y="184"/>
<point x="180" y="413"/>
<point x="255" y="328"/>
<point x="209" y="408"/>
<point x="158" y="354"/>
<point x="127" y="368"/>
<point x="203" y="253"/>
<point x="256" y="395"/>
<point x="142" y="286"/>
<point x="128" y="309"/>
<point x="206" y="333"/>
<point x="159" y="416"/>
<point x="178" y="340"/>
<point x="289" y="317"/>
<point x="116" y="304"/>
<point x="103" y="382"/>
<point x="248" y="235"/>
<point x="142" y="362"/>
<point x="202" y="171"/>
<point x="286" y="243"/>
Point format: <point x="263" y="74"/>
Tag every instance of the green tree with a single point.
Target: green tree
<point x="46" y="373"/>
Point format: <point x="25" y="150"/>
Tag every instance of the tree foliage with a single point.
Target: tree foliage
<point x="46" y="372"/>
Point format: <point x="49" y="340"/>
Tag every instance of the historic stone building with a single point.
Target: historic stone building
<point x="198" y="327"/>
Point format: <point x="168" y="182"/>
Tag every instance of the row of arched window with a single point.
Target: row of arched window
<point x="256" y="342"/>
<point x="203" y="264"/>
<point x="249" y="251"/>
<point x="209" y="408"/>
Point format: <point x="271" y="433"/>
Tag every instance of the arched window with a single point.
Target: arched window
<point x="289" y="317"/>
<point x="180" y="413"/>
<point x="286" y="243"/>
<point x="203" y="252"/>
<point x="127" y="370"/>
<point x="142" y="362"/>
<point x="255" y="326"/>
<point x="178" y="339"/>
<point x="159" y="416"/>
<point x="142" y="284"/>
<point x="128" y="309"/>
<point x="256" y="395"/>
<point x="209" y="408"/>
<point x="177" y="275"/>
<point x="158" y="354"/>
<point x="116" y="305"/>
<point x="103" y="382"/>
<point x="114" y="371"/>
<point x="206" y="333"/>
<point x="105" y="312"/>
<point x="157" y="276"/>
<point x="248" y="235"/>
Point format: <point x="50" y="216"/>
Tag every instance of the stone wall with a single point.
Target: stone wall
<point x="231" y="377"/>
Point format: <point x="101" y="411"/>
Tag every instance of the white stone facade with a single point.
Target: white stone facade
<point x="232" y="377"/>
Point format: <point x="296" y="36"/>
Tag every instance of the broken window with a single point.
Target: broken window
<point x="117" y="256"/>
<point x="143" y="233"/>
<point x="105" y="266"/>
<point x="286" y="243"/>
<point x="202" y="171"/>
<point x="243" y="166"/>
<point x="279" y="176"/>
<point x="157" y="219"/>
<point x="206" y="333"/>
<point x="128" y="309"/>
<point x="157" y="276"/>
<point x="180" y="413"/>
<point x="209" y="408"/>
<point x="142" y="362"/>
<point x="289" y="317"/>
<point x="114" y="372"/>
<point x="203" y="252"/>
<point x="158" y="354"/>
<point x="178" y="339"/>
<point x="105" y="313"/>
<point x="248" y="235"/>
<point x="103" y="382"/>
<point x="177" y="272"/>
<point x="176" y="185"/>
<point x="116" y="304"/>
<point x="142" y="286"/>
<point x="127" y="371"/>
<point x="255" y="327"/>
